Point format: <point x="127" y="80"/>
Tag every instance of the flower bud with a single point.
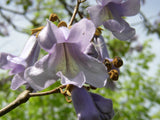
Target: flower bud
<point x="53" y="17"/>
<point x="117" y="62"/>
<point x="108" y="64"/>
<point x="113" y="74"/>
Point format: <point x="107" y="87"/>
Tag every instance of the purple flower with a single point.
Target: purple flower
<point x="98" y="49"/>
<point x="90" y="106"/>
<point x="101" y="48"/>
<point x="17" y="65"/>
<point x="65" y="58"/>
<point x="110" y="13"/>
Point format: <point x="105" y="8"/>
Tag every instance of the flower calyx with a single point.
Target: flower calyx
<point x="36" y="30"/>
<point x="53" y="17"/>
<point x="62" y="23"/>
<point x="98" y="31"/>
<point x="67" y="92"/>
<point x="68" y="89"/>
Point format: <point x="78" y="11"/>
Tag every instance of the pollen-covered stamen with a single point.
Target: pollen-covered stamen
<point x="53" y="17"/>
<point x="62" y="23"/>
<point x="113" y="74"/>
<point x="108" y="64"/>
<point x="117" y="62"/>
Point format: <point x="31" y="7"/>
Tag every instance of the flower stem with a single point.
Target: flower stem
<point x="56" y="90"/>
<point x="24" y="97"/>
<point x="75" y="11"/>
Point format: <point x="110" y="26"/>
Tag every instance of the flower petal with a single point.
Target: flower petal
<point x="123" y="31"/>
<point x="91" y="51"/>
<point x="104" y="106"/>
<point x="113" y="25"/>
<point x="65" y="32"/>
<point x="127" y="8"/>
<point x="17" y="81"/>
<point x="131" y="7"/>
<point x="84" y="105"/>
<point x="50" y="35"/>
<point x="101" y="48"/>
<point x="8" y="61"/>
<point x="78" y="81"/>
<point x="126" y="34"/>
<point x="98" y="14"/>
<point x="95" y="72"/>
<point x="82" y="33"/>
<point x="31" y="51"/>
<point x="110" y="84"/>
<point x="105" y="2"/>
<point x="4" y="63"/>
<point x="40" y="76"/>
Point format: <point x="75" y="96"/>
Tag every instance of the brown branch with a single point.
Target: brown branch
<point x="56" y="90"/>
<point x="24" y="97"/>
<point x="75" y="11"/>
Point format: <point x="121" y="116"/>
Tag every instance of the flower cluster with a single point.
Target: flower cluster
<point x="110" y="13"/>
<point x="77" y="55"/>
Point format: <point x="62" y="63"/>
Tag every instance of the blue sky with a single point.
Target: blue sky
<point x="151" y="9"/>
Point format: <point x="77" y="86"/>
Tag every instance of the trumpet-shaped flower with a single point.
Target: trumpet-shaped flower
<point x="98" y="49"/>
<point x="90" y="106"/>
<point x="66" y="58"/>
<point x="110" y="13"/>
<point x="17" y="65"/>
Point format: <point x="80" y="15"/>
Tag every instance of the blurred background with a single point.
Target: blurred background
<point x="137" y="96"/>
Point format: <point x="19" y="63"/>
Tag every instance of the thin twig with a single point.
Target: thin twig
<point x="75" y="11"/>
<point x="24" y="97"/>
<point x="80" y="14"/>
<point x="56" y="90"/>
